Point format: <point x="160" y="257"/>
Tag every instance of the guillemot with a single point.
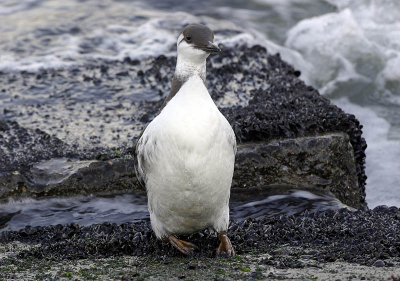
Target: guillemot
<point x="185" y="156"/>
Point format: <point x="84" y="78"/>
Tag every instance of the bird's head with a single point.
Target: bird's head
<point x="196" y="43"/>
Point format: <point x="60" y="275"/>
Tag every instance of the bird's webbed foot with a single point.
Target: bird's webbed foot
<point x="184" y="247"/>
<point x="225" y="248"/>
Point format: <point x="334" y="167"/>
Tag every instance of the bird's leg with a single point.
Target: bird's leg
<point x="225" y="248"/>
<point x="184" y="247"/>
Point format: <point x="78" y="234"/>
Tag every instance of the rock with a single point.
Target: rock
<point x="70" y="178"/>
<point x="323" y="162"/>
<point x="379" y="263"/>
<point x="192" y="266"/>
<point x="260" y="95"/>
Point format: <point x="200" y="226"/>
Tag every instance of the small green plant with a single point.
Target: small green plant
<point x="221" y="271"/>
<point x="66" y="274"/>
<point x="42" y="276"/>
<point x="243" y="268"/>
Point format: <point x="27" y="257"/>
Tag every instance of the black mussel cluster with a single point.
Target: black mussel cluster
<point x="370" y="237"/>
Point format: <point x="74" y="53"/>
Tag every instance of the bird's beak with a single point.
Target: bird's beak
<point x="212" y="48"/>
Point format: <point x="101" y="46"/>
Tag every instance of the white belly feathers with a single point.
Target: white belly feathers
<point x="187" y="157"/>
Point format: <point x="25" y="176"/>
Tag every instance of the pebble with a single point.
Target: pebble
<point x="379" y="263"/>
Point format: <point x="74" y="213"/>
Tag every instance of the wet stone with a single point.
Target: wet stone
<point x="192" y="266"/>
<point x="323" y="162"/>
<point x="379" y="263"/>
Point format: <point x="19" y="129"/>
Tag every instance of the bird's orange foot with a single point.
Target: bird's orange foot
<point x="184" y="247"/>
<point x="225" y="248"/>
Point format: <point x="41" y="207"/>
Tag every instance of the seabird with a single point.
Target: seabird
<point x="185" y="156"/>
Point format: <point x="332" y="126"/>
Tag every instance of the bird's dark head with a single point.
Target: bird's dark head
<point x="196" y="41"/>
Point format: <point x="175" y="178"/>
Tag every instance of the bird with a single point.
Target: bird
<point x="185" y="156"/>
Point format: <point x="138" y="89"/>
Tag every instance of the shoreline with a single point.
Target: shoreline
<point x="311" y="246"/>
<point x="250" y="266"/>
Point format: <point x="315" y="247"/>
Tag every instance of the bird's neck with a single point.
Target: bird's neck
<point x="185" y="69"/>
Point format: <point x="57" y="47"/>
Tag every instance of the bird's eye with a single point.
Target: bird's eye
<point x="188" y="38"/>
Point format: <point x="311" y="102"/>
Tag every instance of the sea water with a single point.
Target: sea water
<point x="132" y="206"/>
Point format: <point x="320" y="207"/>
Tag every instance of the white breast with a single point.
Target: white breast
<point x="188" y="154"/>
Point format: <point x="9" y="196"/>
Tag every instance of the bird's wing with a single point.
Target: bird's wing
<point x="230" y="135"/>
<point x="232" y="141"/>
<point x="139" y="160"/>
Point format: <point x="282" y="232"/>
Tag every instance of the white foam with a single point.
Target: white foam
<point x="378" y="11"/>
<point x="115" y="42"/>
<point x="285" y="7"/>
<point x="285" y="3"/>
<point x="388" y="80"/>
<point x="139" y="39"/>
<point x="99" y="37"/>
<point x="382" y="165"/>
<point x="267" y="200"/>
<point x="252" y="33"/>
<point x="355" y="53"/>
<point x="332" y="44"/>
<point x="11" y="6"/>
<point x="358" y="45"/>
